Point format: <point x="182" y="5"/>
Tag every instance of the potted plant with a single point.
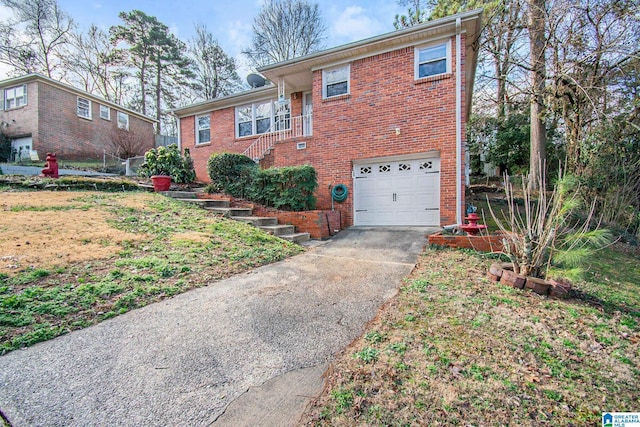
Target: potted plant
<point x="161" y="165"/>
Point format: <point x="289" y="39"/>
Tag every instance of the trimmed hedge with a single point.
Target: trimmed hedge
<point x="288" y="188"/>
<point x="231" y="173"/>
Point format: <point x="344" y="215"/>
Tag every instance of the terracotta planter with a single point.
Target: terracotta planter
<point x="161" y="182"/>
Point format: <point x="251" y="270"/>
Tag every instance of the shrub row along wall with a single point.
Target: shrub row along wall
<point x="288" y="188"/>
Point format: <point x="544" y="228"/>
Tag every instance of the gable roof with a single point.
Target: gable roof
<point x="297" y="73"/>
<point x="35" y="77"/>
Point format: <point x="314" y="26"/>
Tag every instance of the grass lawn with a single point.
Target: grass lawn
<point x="454" y="349"/>
<point x="71" y="259"/>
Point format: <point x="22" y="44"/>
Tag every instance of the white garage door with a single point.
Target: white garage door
<point x="397" y="192"/>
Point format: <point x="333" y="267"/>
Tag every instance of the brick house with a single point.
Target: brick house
<point x="42" y="115"/>
<point x="384" y="116"/>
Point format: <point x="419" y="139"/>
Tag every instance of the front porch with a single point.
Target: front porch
<point x="287" y="129"/>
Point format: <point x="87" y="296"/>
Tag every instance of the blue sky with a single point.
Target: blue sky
<point x="230" y="20"/>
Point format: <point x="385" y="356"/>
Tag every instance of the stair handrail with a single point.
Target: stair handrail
<point x="267" y="140"/>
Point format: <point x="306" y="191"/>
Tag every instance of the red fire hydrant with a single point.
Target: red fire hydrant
<point x="51" y="168"/>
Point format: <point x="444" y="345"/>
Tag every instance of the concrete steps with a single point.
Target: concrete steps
<point x="206" y="203"/>
<point x="268" y="224"/>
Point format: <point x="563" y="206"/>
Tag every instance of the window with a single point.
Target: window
<point x="84" y="108"/>
<point x="203" y="129"/>
<point x="335" y="81"/>
<point x="432" y="60"/>
<point x="262" y="117"/>
<point x="15" y="97"/>
<point x="105" y="112"/>
<point x="123" y="120"/>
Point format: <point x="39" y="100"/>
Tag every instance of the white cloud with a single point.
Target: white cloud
<point x="235" y="37"/>
<point x="353" y="23"/>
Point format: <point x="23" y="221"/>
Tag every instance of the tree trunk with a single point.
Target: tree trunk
<point x="538" y="155"/>
<point x="158" y="94"/>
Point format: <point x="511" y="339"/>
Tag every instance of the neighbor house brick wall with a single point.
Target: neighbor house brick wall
<point x="22" y="121"/>
<point x="75" y="138"/>
<point x="50" y="118"/>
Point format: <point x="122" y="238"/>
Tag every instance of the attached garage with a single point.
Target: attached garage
<point x="397" y="192"/>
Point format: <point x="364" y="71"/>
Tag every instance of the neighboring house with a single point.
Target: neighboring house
<point x="41" y="115"/>
<point x="384" y="116"/>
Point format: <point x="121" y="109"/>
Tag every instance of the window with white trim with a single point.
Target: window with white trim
<point x="336" y="81"/>
<point x="83" y="108"/>
<point x="123" y="120"/>
<point x="203" y="129"/>
<point x="105" y="112"/>
<point x="262" y="117"/>
<point x="15" y="97"/>
<point x="432" y="60"/>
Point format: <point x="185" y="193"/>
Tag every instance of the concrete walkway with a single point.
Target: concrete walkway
<point x="246" y="351"/>
<point x="12" y="169"/>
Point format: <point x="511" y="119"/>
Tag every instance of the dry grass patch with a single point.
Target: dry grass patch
<point x="454" y="349"/>
<point x="49" y="229"/>
<point x="82" y="257"/>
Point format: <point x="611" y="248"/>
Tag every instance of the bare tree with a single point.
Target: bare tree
<point x="127" y="144"/>
<point x="97" y="65"/>
<point x="31" y="41"/>
<point x="537" y="47"/>
<point x="285" y="29"/>
<point x="215" y="71"/>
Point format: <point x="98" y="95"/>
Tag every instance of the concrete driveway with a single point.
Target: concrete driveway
<point x="246" y="351"/>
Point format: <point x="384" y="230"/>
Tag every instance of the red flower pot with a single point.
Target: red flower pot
<point x="161" y="182"/>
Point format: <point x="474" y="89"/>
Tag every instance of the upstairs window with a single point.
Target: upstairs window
<point x="203" y="129"/>
<point x="105" y="112"/>
<point x="84" y="108"/>
<point x="335" y="81"/>
<point x="15" y="97"/>
<point x="432" y="60"/>
<point x="123" y="120"/>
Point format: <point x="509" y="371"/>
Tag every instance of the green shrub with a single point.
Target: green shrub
<point x="168" y="161"/>
<point x="5" y="148"/>
<point x="231" y="173"/>
<point x="289" y="188"/>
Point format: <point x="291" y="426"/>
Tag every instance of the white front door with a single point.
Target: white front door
<point x="397" y="192"/>
<point x="307" y="112"/>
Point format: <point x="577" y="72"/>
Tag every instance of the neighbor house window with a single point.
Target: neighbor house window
<point x="15" y="97"/>
<point x="203" y="129"/>
<point x="262" y="117"/>
<point x="105" y="112"/>
<point x="335" y="81"/>
<point x="432" y="60"/>
<point x="123" y="120"/>
<point x="84" y="108"/>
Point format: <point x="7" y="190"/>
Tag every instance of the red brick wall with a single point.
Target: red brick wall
<point x="75" y="138"/>
<point x="23" y="121"/>
<point x="384" y="96"/>
<point x="320" y="224"/>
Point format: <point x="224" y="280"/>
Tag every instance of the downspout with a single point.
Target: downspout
<point x="458" y="124"/>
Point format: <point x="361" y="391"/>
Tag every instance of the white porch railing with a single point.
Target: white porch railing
<point x="299" y="126"/>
